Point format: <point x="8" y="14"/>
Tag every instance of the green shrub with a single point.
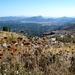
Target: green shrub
<point x="6" y="28"/>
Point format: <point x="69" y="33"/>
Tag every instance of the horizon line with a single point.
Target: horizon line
<point x="36" y="16"/>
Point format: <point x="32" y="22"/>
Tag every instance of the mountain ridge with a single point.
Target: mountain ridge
<point x="35" y="19"/>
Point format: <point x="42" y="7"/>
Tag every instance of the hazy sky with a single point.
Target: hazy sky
<point x="51" y="8"/>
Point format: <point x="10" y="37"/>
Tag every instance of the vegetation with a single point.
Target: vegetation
<point x="35" y="29"/>
<point x="6" y="28"/>
<point x="35" y="56"/>
<point x="66" y="39"/>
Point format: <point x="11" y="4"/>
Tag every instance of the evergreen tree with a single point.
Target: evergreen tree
<point x="6" y="28"/>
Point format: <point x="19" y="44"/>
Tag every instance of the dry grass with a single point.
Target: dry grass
<point x="35" y="56"/>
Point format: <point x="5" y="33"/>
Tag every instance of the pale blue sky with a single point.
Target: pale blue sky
<point x="49" y="8"/>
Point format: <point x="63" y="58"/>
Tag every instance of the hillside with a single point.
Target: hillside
<point x="10" y="34"/>
<point x="35" y="29"/>
<point x="69" y="27"/>
<point x="35" y="55"/>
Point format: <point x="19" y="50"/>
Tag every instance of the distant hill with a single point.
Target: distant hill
<point x="61" y="20"/>
<point x="69" y="27"/>
<point x="15" y="18"/>
<point x="34" y="19"/>
<point x="10" y="18"/>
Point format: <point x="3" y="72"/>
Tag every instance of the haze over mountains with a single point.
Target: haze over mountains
<point x="36" y="19"/>
<point x="38" y="24"/>
<point x="52" y="21"/>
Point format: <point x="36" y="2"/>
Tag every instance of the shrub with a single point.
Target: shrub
<point x="6" y="28"/>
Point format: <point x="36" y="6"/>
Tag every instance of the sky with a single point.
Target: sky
<point x="45" y="8"/>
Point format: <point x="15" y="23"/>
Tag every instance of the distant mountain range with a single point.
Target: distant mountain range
<point x="38" y="23"/>
<point x="37" y="19"/>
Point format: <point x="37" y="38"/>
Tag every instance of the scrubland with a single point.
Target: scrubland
<point x="21" y="55"/>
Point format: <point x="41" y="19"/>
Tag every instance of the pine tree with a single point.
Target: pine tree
<point x="6" y="28"/>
